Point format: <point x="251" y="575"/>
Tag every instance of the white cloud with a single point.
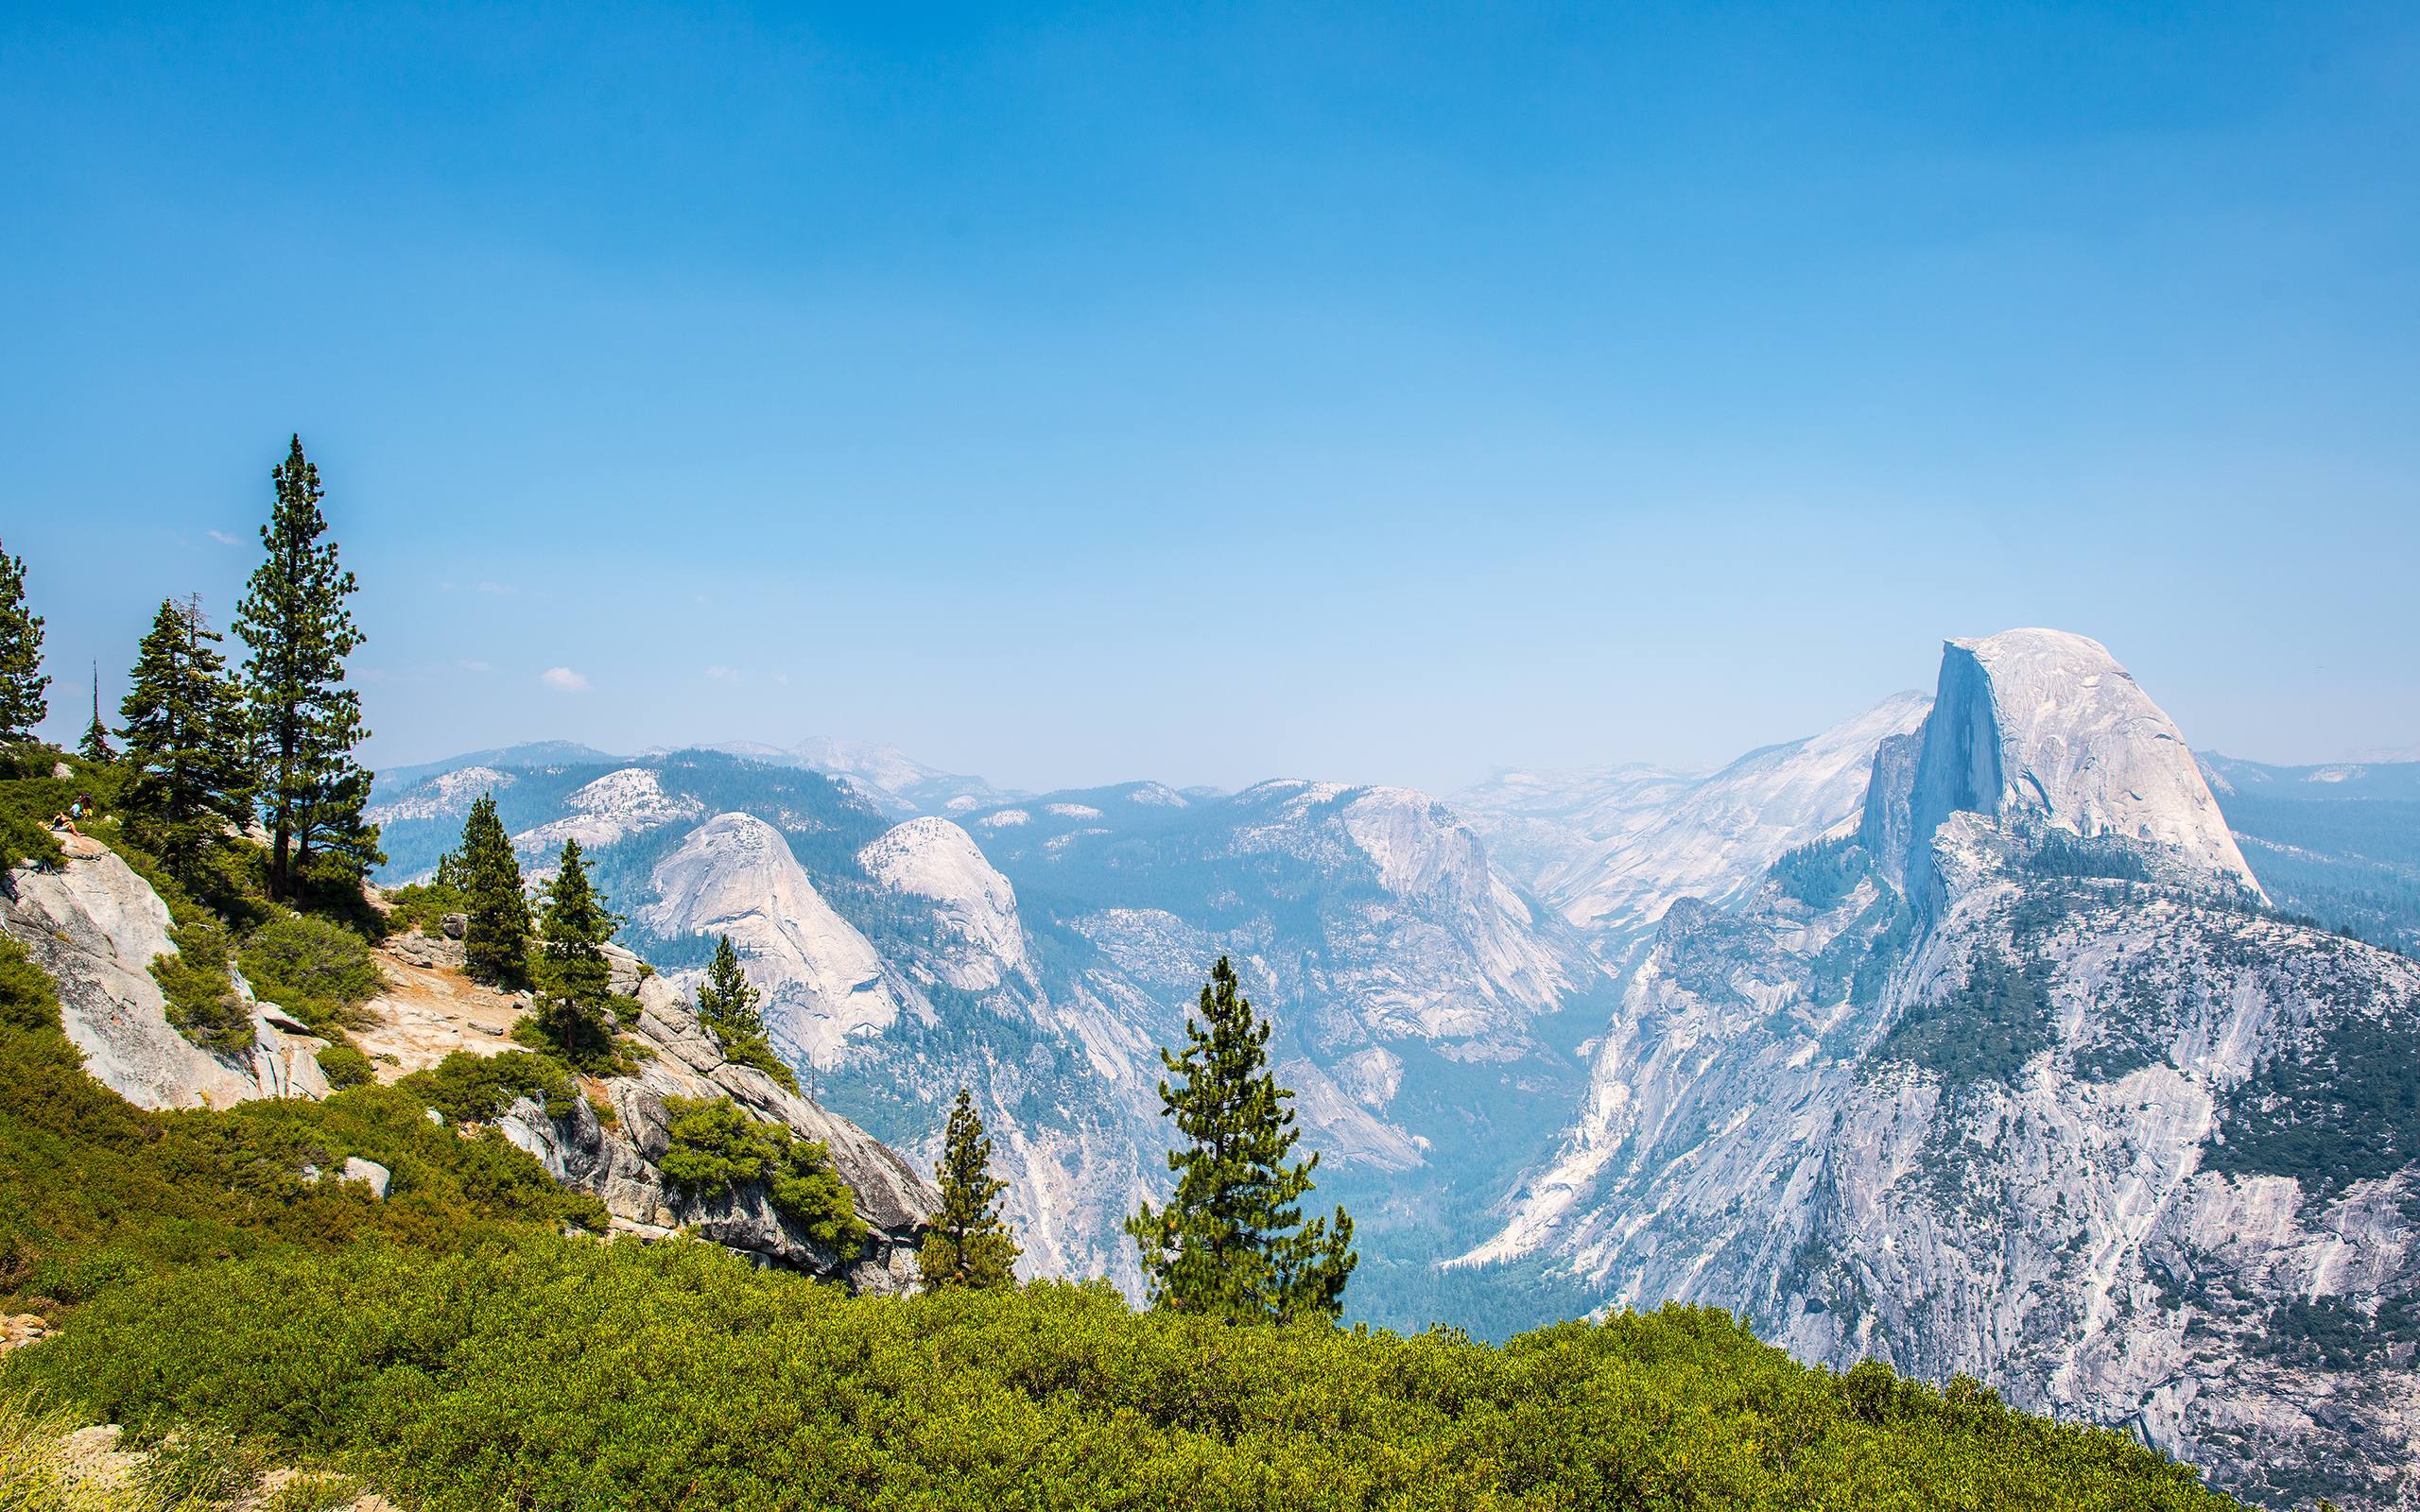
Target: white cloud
<point x="722" y="674"/>
<point x="563" y="679"/>
<point x="478" y="667"/>
<point x="223" y="537"/>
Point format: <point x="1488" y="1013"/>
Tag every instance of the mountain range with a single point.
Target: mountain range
<point x="1989" y="1032"/>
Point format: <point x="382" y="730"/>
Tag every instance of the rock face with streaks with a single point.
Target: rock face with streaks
<point x="95" y="927"/>
<point x="1612" y="850"/>
<point x="2021" y="1080"/>
<point x="619" y="1164"/>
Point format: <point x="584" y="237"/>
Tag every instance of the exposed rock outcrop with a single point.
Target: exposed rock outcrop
<point x="619" y="1164"/>
<point x="95" y="927"/>
<point x="2081" y="1119"/>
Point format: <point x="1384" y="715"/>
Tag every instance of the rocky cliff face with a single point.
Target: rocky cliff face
<point x="1040" y="951"/>
<point x="2021" y="1081"/>
<point x="620" y="1164"/>
<point x="1612" y="850"/>
<point x="96" y="926"/>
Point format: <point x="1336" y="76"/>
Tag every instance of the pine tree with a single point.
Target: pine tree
<point x="576" y="978"/>
<point x="726" y="1000"/>
<point x="96" y="744"/>
<point x="968" y="1243"/>
<point x="22" y="698"/>
<point x="496" y="947"/>
<point x="1231" y="1241"/>
<point x="184" y="740"/>
<point x="306" y="721"/>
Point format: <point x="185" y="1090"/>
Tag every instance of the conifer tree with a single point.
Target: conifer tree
<point x="184" y="739"/>
<point x="22" y="698"/>
<point x="96" y="744"/>
<point x="576" y="978"/>
<point x="968" y="1244"/>
<point x="726" y="1000"/>
<point x="496" y="947"/>
<point x="306" y="721"/>
<point x="1231" y="1242"/>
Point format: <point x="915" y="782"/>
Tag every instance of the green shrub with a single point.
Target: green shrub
<point x="422" y="905"/>
<point x="550" y="1374"/>
<point x="471" y="1089"/>
<point x="28" y="999"/>
<point x="345" y="1066"/>
<point x="96" y="1193"/>
<point x="757" y="1051"/>
<point x="320" y="972"/>
<point x="715" y="1145"/>
<point x="201" y="998"/>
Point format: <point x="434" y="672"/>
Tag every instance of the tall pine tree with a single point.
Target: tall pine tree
<point x="306" y="721"/>
<point x="96" y="744"/>
<point x="968" y="1243"/>
<point x="496" y="947"/>
<point x="575" y="979"/>
<point x="1231" y="1242"/>
<point x="23" y="696"/>
<point x="184" y="740"/>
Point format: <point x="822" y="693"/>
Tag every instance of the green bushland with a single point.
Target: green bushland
<point x="345" y="1066"/>
<point x="422" y="905"/>
<point x="714" y="1145"/>
<point x="200" y="992"/>
<point x="542" y="1373"/>
<point x="95" y="1192"/>
<point x="315" y="968"/>
<point x="471" y="1089"/>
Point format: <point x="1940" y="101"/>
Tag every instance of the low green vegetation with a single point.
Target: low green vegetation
<point x="1822" y="874"/>
<point x="344" y="1066"/>
<point x="2345" y="1110"/>
<point x="535" y="1372"/>
<point x="201" y="998"/>
<point x="471" y="1089"/>
<point x="715" y="1147"/>
<point x="315" y="968"/>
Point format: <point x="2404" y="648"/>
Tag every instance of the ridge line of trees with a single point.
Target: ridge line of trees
<point x="211" y="749"/>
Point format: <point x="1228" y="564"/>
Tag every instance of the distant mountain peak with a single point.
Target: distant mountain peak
<point x="2046" y="726"/>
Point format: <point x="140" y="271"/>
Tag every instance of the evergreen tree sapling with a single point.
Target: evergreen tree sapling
<point x="1231" y="1242"/>
<point x="968" y="1243"/>
<point x="727" y="1007"/>
<point x="23" y="697"/>
<point x="726" y="1000"/>
<point x="575" y="979"/>
<point x="306" y="721"/>
<point x="496" y="947"/>
<point x="96" y="744"/>
<point x="184" y="740"/>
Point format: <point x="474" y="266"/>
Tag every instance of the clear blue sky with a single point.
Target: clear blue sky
<point x="1375" y="394"/>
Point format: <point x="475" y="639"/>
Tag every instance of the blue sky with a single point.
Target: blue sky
<point x="1386" y="393"/>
